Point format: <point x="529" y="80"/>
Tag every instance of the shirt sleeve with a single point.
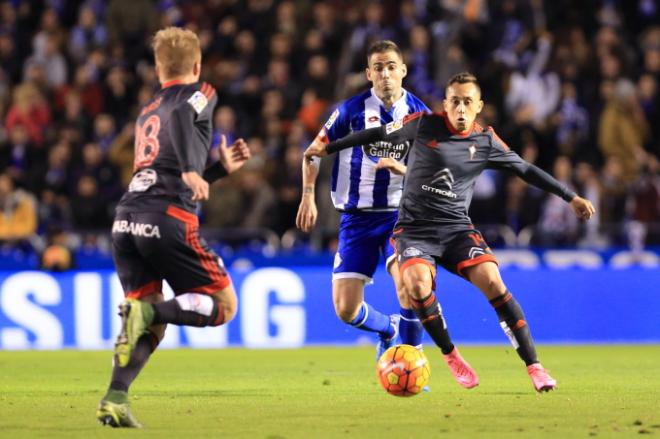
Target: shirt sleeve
<point x="338" y="124"/>
<point x="214" y="172"/>
<point x="397" y="131"/>
<point x="502" y="157"/>
<point x="194" y="110"/>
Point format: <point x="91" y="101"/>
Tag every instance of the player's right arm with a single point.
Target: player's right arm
<point x="397" y="131"/>
<point x="337" y="125"/>
<point x="307" y="212"/>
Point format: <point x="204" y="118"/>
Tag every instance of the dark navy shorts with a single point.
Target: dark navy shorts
<point x="461" y="250"/>
<point x="149" y="247"/>
<point x="364" y="238"/>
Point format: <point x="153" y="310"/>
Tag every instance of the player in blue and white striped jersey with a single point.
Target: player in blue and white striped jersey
<point x="366" y="187"/>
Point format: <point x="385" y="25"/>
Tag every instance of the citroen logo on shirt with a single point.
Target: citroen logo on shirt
<point x="444" y="176"/>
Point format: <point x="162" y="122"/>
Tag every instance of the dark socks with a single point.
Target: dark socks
<point x="512" y="321"/>
<point x="122" y="377"/>
<point x="190" y="309"/>
<point x="429" y="313"/>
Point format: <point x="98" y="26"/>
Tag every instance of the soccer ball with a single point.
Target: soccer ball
<point x="403" y="370"/>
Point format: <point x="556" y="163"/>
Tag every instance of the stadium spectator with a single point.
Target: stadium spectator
<point x="18" y="212"/>
<point x="31" y="111"/>
<point x="129" y="24"/>
<point x="88" y="33"/>
<point x="57" y="255"/>
<point x="558" y="224"/>
<point x="624" y="129"/>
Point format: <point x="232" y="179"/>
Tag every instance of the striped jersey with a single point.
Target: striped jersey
<point x="356" y="183"/>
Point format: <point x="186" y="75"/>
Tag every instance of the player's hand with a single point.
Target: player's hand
<point x="315" y="149"/>
<point x="197" y="184"/>
<point x="307" y="213"/>
<point x="582" y="207"/>
<point x="234" y="157"/>
<point x="391" y="165"/>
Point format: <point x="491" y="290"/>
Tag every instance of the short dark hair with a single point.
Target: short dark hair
<point x="463" y="78"/>
<point x="382" y="46"/>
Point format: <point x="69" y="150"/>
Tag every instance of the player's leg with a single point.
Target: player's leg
<point x="194" y="308"/>
<point x="132" y="349"/>
<point x="350" y="307"/>
<point x="204" y="295"/>
<point x="418" y="275"/>
<point x="486" y="277"/>
<point x="358" y="255"/>
<point x="410" y="328"/>
<point x="479" y="266"/>
<point x="113" y="409"/>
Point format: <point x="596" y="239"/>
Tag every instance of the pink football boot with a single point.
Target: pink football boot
<point x="461" y="370"/>
<point x="543" y="382"/>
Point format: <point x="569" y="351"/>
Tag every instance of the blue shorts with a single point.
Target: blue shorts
<point x="363" y="238"/>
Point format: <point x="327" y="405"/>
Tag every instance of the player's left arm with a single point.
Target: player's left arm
<point x="232" y="159"/>
<point x="197" y="108"/>
<point x="501" y="157"/>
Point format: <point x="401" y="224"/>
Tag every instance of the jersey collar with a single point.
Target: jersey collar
<point x="453" y="130"/>
<point x="171" y="83"/>
<point x="395" y="104"/>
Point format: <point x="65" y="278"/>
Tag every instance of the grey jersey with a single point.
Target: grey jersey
<point x="443" y="166"/>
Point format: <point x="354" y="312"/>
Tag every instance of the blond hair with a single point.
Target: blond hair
<point x="176" y="50"/>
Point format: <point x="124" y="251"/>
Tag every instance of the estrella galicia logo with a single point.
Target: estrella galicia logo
<point x="382" y="149"/>
<point x="443" y="178"/>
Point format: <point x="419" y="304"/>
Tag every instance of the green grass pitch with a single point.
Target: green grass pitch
<point x="604" y="391"/>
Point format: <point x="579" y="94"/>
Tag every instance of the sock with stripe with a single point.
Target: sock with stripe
<point x="122" y="377"/>
<point x="429" y="313"/>
<point x="410" y="328"/>
<point x="189" y="309"/>
<point x="369" y="319"/>
<point x="512" y="321"/>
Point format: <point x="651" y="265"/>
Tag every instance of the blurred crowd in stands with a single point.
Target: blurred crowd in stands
<point x="571" y="86"/>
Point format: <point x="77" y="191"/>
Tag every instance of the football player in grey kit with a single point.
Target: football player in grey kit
<point x="448" y="153"/>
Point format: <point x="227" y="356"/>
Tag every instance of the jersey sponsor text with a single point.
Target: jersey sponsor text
<point x="136" y="229"/>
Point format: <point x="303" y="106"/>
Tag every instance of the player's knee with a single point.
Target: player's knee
<point x="345" y="311"/>
<point x="229" y="311"/>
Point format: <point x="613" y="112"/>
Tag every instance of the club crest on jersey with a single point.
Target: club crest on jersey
<point x="393" y="126"/>
<point x="198" y="101"/>
<point x="332" y="119"/>
<point x="472" y="150"/>
<point x="382" y="149"/>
